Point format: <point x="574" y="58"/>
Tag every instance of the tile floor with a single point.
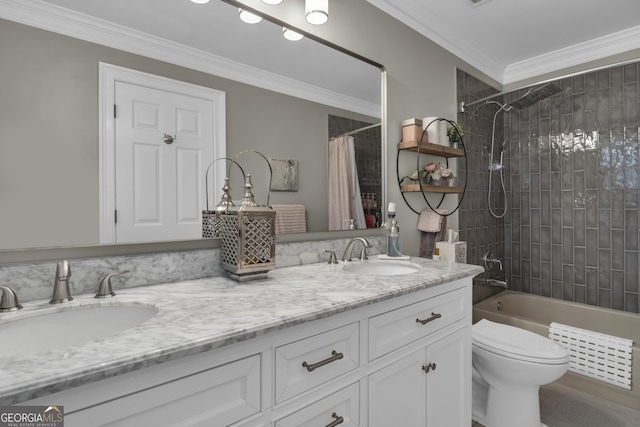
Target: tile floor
<point x="561" y="406"/>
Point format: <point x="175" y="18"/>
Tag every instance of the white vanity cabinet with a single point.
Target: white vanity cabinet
<point x="403" y="361"/>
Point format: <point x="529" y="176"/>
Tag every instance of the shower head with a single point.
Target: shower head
<point x="535" y="95"/>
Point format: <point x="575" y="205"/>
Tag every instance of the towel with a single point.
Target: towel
<point x="433" y="228"/>
<point x="290" y="219"/>
<point x="431" y="221"/>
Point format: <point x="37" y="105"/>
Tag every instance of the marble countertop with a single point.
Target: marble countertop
<point x="200" y="315"/>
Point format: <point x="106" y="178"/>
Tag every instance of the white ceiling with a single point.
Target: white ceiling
<point x="511" y="40"/>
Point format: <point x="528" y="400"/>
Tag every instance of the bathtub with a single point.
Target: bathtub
<point x="535" y="313"/>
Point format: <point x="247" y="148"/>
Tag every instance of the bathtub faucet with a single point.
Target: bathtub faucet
<point x="496" y="283"/>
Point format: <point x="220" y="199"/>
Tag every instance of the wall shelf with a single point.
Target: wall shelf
<point x="433" y="149"/>
<point x="415" y="188"/>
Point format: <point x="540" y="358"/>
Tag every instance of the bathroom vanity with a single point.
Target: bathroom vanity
<point x="310" y="345"/>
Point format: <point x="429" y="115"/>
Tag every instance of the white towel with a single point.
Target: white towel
<point x="290" y="219"/>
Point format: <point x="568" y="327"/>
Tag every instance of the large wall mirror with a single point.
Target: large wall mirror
<point x="285" y="99"/>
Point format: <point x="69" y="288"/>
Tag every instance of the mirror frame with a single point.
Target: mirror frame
<point x="27" y="255"/>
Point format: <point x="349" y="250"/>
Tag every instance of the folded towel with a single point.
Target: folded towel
<point x="430" y="221"/>
<point x="290" y="219"/>
<point x="428" y="239"/>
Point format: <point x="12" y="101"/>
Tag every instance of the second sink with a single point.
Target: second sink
<point x="37" y="333"/>
<point x="381" y="268"/>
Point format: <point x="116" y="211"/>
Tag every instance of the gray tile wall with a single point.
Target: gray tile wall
<point x="573" y="180"/>
<point x="478" y="228"/>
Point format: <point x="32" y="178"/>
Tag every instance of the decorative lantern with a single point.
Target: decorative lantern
<point x="248" y="238"/>
<point x="211" y="222"/>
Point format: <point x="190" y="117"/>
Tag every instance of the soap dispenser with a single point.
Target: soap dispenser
<point x="393" y="237"/>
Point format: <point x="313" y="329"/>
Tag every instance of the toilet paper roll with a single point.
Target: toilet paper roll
<point x="433" y="129"/>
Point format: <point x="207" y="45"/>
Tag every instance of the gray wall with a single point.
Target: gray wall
<point x="49" y="197"/>
<point x="573" y="180"/>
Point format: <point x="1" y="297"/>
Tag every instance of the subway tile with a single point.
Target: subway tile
<point x="535" y="225"/>
<point x="567" y="282"/>
<point x="604" y="269"/>
<point x="556" y="262"/>
<point x="546" y="279"/>
<point x="617" y="289"/>
<point x="545" y="243"/>
<point x="604" y="228"/>
<point x="591" y="246"/>
<point x="535" y="261"/>
<point x="515" y="263"/>
<point x="630" y="72"/>
<point x="616" y="85"/>
<point x="556" y="226"/>
<point x="525" y="242"/>
<point x="579" y="266"/>
<point x="603" y="105"/>
<point x="579" y="227"/>
<point x="535" y="191"/>
<point x="604" y="298"/>
<point x="567" y="245"/>
<point x="536" y="286"/>
<point x="631" y="271"/>
<point x="617" y="249"/>
<point x="591" y="211"/>
<point x="592" y="286"/>
<point x="579" y="84"/>
<point x="545" y="208"/>
<point x="567" y="208"/>
<point x="526" y="276"/>
<point x="631" y="302"/>
<point x="591" y="119"/>
<point x="590" y="91"/>
<point x="579" y="293"/>
<point x="630" y="103"/>
<point x="556" y="289"/>
<point x="631" y="230"/>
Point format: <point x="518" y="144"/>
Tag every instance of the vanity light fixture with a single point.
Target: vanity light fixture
<point x="269" y="1"/>
<point x="248" y="17"/>
<point x="200" y="1"/>
<point x="316" y="11"/>
<point x="291" y="35"/>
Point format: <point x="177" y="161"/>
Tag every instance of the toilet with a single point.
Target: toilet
<point x="509" y="366"/>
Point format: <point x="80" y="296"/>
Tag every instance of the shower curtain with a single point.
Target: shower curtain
<point x="345" y="201"/>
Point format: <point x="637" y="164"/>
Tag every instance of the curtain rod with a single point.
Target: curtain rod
<point x="361" y="129"/>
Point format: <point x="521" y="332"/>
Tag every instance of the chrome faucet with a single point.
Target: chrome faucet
<point x="489" y="260"/>
<point x="104" y="289"/>
<point x="363" y="252"/>
<point x="61" y="284"/>
<point x="9" y="301"/>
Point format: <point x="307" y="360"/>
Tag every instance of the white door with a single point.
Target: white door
<point x="164" y="136"/>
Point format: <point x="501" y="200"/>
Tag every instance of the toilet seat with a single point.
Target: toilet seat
<point x="516" y="343"/>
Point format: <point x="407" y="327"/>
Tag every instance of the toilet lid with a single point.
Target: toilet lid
<point x="517" y="343"/>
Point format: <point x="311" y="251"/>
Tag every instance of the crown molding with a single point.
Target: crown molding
<point x="475" y="55"/>
<point x="582" y="53"/>
<point x="77" y="25"/>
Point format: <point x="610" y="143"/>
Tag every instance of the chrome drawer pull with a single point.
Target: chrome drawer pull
<point x="334" y="356"/>
<point x="338" y="420"/>
<point x="434" y="316"/>
<point x="429" y="367"/>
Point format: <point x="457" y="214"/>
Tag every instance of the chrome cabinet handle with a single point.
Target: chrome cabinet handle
<point x="338" y="420"/>
<point x="434" y="316"/>
<point x="334" y="356"/>
<point x="429" y="367"/>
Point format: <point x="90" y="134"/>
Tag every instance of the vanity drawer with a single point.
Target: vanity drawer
<point x="216" y="397"/>
<point x="341" y="408"/>
<point x="394" y="329"/>
<point x="309" y="362"/>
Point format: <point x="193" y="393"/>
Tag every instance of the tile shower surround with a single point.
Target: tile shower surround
<point x="573" y="180"/>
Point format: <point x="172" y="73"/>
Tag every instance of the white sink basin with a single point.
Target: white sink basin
<point x="51" y="330"/>
<point x="381" y="268"/>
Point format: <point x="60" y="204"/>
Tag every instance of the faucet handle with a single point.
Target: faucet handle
<point x="104" y="289"/>
<point x="9" y="301"/>
<point x="363" y="252"/>
<point x="332" y="257"/>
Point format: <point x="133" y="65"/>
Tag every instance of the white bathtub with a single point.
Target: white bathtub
<point x="535" y="313"/>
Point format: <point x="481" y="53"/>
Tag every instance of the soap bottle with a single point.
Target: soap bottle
<point x="393" y="240"/>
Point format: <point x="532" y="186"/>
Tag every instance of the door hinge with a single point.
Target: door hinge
<point x="115" y="216"/>
<point x="115" y="111"/>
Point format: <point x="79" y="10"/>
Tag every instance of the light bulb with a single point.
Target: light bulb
<point x="316" y="11"/>
<point x="291" y="35"/>
<point x="248" y="17"/>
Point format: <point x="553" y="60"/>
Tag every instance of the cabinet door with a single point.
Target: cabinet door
<point x="397" y="393"/>
<point x="448" y="388"/>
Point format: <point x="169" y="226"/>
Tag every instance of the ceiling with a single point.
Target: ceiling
<point x="512" y="40"/>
